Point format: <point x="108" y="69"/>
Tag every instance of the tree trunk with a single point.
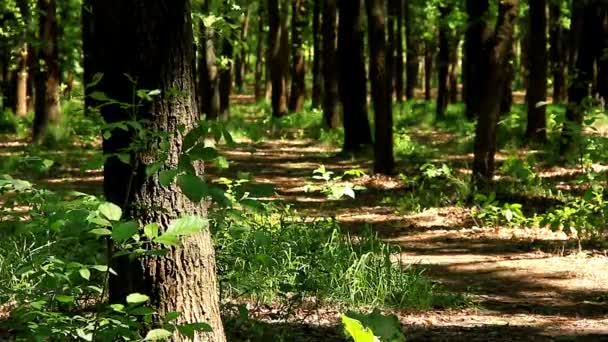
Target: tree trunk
<point x="209" y="80"/>
<point x="48" y="108"/>
<point x="495" y="57"/>
<point x="298" y="67"/>
<point x="22" y="71"/>
<point x="331" y="94"/>
<point x="259" y="88"/>
<point x="584" y="43"/>
<point x="241" y="58"/>
<point x="278" y="57"/>
<point x="536" y="94"/>
<point x="225" y="82"/>
<point x="352" y="84"/>
<point x="411" y="52"/>
<point x="429" y="52"/>
<point x="443" y="62"/>
<point x="557" y="52"/>
<point x="399" y="65"/>
<point x="153" y="45"/>
<point x="380" y="62"/>
<point x="317" y="64"/>
<point x="473" y="44"/>
<point x="602" y="57"/>
<point x="453" y="73"/>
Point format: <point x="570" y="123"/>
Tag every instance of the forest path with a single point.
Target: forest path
<point x="525" y="284"/>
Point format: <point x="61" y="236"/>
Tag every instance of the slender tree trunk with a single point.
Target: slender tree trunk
<point x="429" y="52"/>
<point x="536" y="94"/>
<point x="209" y="80"/>
<point x="352" y="83"/>
<point x="390" y="42"/>
<point x="259" y="58"/>
<point x="317" y="64"/>
<point x="473" y="44"/>
<point x="298" y="67"/>
<point x="443" y="62"/>
<point x="22" y="71"/>
<point x="380" y="62"/>
<point x="225" y="80"/>
<point x="399" y="65"/>
<point x="153" y="45"/>
<point x="557" y="52"/>
<point x="331" y="94"/>
<point x="412" y="62"/>
<point x="277" y="57"/>
<point x="453" y="73"/>
<point x="496" y="50"/>
<point x="602" y="57"/>
<point x="48" y="107"/>
<point x="241" y="58"/>
<point x="584" y="40"/>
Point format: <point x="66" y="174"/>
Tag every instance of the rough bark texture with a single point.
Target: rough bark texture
<point x="380" y="62"/>
<point x="352" y="84"/>
<point x="473" y="45"/>
<point x="298" y="64"/>
<point x="411" y="52"/>
<point x="317" y="65"/>
<point x="278" y="55"/>
<point x="399" y="65"/>
<point x="258" y="87"/>
<point x="331" y="95"/>
<point x="152" y="43"/>
<point x="494" y="67"/>
<point x="48" y="109"/>
<point x="536" y="94"/>
<point x="582" y="58"/>
<point x="557" y="52"/>
<point x="209" y="80"/>
<point x="443" y="63"/>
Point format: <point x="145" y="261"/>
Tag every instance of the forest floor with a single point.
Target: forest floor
<point x="523" y="284"/>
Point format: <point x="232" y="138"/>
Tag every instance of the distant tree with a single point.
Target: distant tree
<point x="352" y="84"/>
<point x="411" y="51"/>
<point x="536" y="94"/>
<point x="331" y="114"/>
<point x="152" y="44"/>
<point x="278" y="55"/>
<point x="558" y="46"/>
<point x="473" y="47"/>
<point x="225" y="78"/>
<point x="259" y="84"/>
<point x="209" y="80"/>
<point x="24" y="50"/>
<point x="240" y="60"/>
<point x="317" y="65"/>
<point x="443" y="61"/>
<point x="380" y="62"/>
<point x="399" y="60"/>
<point x="494" y="66"/>
<point x="298" y="64"/>
<point x="48" y="107"/>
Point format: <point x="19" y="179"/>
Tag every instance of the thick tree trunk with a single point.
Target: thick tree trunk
<point x="48" y="108"/>
<point x="411" y="52"/>
<point x="352" y="84"/>
<point x="209" y="80"/>
<point x="536" y="94"/>
<point x="317" y="64"/>
<point x="380" y="62"/>
<point x="443" y="63"/>
<point x="583" y="52"/>
<point x="225" y="82"/>
<point x="331" y="94"/>
<point x="278" y="55"/>
<point x="399" y="65"/>
<point x="259" y="85"/>
<point x="557" y="52"/>
<point x="473" y="45"/>
<point x="496" y="51"/>
<point x="153" y="45"/>
<point x="240" y="61"/>
<point x="298" y="64"/>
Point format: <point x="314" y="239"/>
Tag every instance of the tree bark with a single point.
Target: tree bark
<point x="453" y="73"/>
<point x="536" y="94"/>
<point x="352" y="83"/>
<point x="380" y="62"/>
<point x="399" y="65"/>
<point x="22" y="72"/>
<point x="557" y="52"/>
<point x="298" y="67"/>
<point x="48" y="107"/>
<point x="429" y="53"/>
<point x="225" y="82"/>
<point x="443" y="62"/>
<point x="278" y="55"/>
<point x="331" y="94"/>
<point x="411" y="52"/>
<point x="317" y="65"/>
<point x="473" y="44"/>
<point x="153" y="45"/>
<point x="493" y="66"/>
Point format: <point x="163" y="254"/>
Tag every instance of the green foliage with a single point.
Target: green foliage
<point x="372" y="327"/>
<point x="335" y="187"/>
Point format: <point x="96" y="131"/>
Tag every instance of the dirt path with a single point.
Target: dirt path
<point x="525" y="285"/>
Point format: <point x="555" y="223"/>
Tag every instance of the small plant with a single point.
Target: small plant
<point x="372" y="327"/>
<point x="491" y="213"/>
<point x="335" y="187"/>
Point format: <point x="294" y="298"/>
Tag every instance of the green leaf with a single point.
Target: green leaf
<point x="153" y="168"/>
<point x="166" y="177"/>
<point x="151" y="230"/>
<point x="118" y="307"/>
<point x="193" y="187"/>
<point x="222" y="163"/>
<point x="137" y="298"/>
<point x="110" y="210"/>
<point x="64" y="299"/>
<point x="87" y="336"/>
<point x="356" y="330"/>
<point x="200" y="152"/>
<point x="157" y="334"/>
<point x="172" y="316"/>
<point x="168" y="240"/>
<point x="100" y="96"/>
<point x="186" y="225"/>
<point x="85" y="273"/>
<point x="100" y="231"/>
<point x="141" y="311"/>
<point x="100" y="268"/>
<point x="123" y="231"/>
<point x="125" y="158"/>
<point x="189" y="330"/>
